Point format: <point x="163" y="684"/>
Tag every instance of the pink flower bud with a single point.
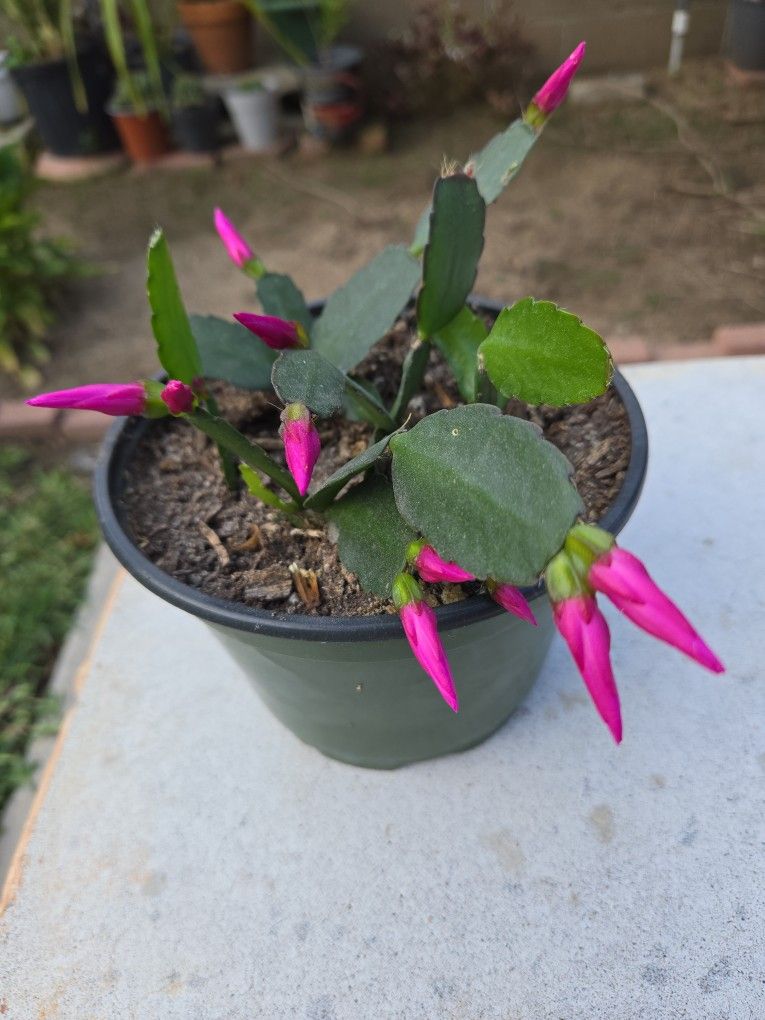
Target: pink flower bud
<point x="554" y="90"/>
<point x="512" y="600"/>
<point x="279" y="334"/>
<point x="585" y="631"/>
<point x="301" y="444"/>
<point x="432" y="568"/>
<point x="109" y="398"/>
<point x="419" y="623"/>
<point x="178" y="396"/>
<point x="238" y="250"/>
<point x="623" y="578"/>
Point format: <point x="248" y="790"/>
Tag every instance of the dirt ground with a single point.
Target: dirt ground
<point x="614" y="216"/>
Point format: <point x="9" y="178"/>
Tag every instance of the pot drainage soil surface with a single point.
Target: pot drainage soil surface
<point x="185" y="520"/>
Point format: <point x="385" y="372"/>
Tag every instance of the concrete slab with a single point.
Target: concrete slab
<point x="188" y="858"/>
<point x="71" y="666"/>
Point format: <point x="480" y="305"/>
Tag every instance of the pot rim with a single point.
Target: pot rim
<point x="150" y="113"/>
<point x="117" y="447"/>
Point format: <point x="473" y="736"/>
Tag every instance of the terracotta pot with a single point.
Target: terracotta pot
<point x="222" y="34"/>
<point x="145" y="137"/>
<point x="333" y="95"/>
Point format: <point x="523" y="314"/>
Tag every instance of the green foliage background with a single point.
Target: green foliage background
<point x="47" y="536"/>
<point x="32" y="270"/>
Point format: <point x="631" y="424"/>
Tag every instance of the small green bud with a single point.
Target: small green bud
<point x="585" y="543"/>
<point x="594" y="538"/>
<point x="414" y="549"/>
<point x="296" y="412"/>
<point x="155" y="405"/>
<point x="254" y="268"/>
<point x="406" y="590"/>
<point x="562" y="578"/>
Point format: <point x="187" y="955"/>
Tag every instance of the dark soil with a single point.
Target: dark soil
<point x="232" y="546"/>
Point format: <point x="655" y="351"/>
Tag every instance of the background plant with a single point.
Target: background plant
<point x="43" y="29"/>
<point x="324" y="18"/>
<point x="47" y="536"/>
<point x="52" y="29"/>
<point x="449" y="54"/>
<point x="32" y="272"/>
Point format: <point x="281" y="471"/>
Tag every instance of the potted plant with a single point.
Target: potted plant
<point x="254" y="111"/>
<point x="296" y="25"/>
<point x="222" y="32"/>
<point x="194" y="116"/>
<point x="137" y="108"/>
<point x="438" y="521"/>
<point x="333" y="97"/>
<point x="63" y="74"/>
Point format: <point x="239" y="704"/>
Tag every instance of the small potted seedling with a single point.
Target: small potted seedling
<point x="254" y="110"/>
<point x="138" y="110"/>
<point x="194" y="115"/>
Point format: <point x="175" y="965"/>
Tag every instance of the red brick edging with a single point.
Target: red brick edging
<point x="19" y="421"/>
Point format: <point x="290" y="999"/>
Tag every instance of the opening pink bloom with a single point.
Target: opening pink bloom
<point x="555" y="89"/>
<point x="623" y="578"/>
<point x="279" y="334"/>
<point x="432" y="568"/>
<point x="301" y="444"/>
<point x="419" y="623"/>
<point x="512" y="600"/>
<point x="178" y="396"/>
<point x="109" y="398"/>
<point x="586" y="633"/>
<point x="238" y="250"/>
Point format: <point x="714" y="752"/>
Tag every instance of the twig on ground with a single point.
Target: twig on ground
<point x="219" y="548"/>
<point x="306" y="585"/>
<point x="326" y="193"/>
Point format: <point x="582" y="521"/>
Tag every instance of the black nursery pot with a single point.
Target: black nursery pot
<point x="65" y="130"/>
<point x="195" y="128"/>
<point x="350" y="685"/>
<point x="746" y="34"/>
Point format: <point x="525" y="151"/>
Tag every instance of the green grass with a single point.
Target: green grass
<point x="47" y="537"/>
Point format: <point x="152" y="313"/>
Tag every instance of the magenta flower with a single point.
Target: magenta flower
<point x="301" y="444"/>
<point x="178" y="396"/>
<point x="623" y="578"/>
<point x="279" y="334"/>
<point x="432" y="568"/>
<point x="512" y="600"/>
<point x="238" y="250"/>
<point x="585" y="631"/>
<point x="109" y="398"/>
<point x="419" y="623"/>
<point x="555" y="89"/>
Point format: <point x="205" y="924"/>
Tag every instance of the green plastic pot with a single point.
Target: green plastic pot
<point x="369" y="703"/>
<point x="350" y="685"/>
<point x="296" y="20"/>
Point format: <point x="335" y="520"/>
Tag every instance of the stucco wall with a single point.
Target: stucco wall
<point x="620" y="35"/>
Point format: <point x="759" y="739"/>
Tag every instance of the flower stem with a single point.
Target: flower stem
<point x="415" y="363"/>
<point x="219" y="430"/>
<point x="227" y="460"/>
<point x="373" y="411"/>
